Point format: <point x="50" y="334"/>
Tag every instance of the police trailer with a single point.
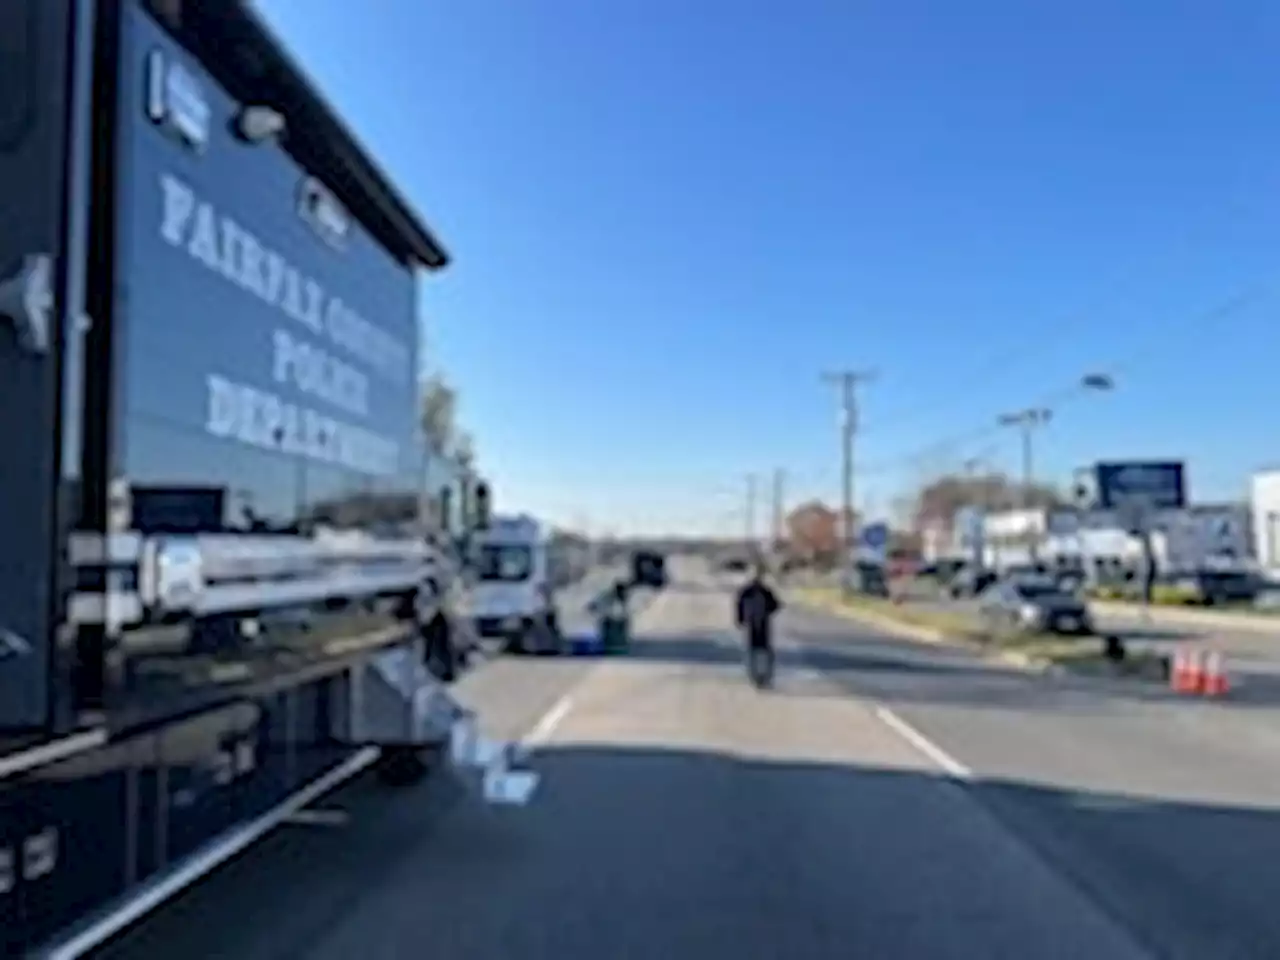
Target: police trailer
<point x="221" y="590"/>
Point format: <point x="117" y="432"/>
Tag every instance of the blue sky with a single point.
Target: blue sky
<point x="669" y="216"/>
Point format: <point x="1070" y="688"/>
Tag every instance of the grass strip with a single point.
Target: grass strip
<point x="1082" y="655"/>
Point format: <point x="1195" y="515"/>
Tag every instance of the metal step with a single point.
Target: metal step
<point x="394" y="700"/>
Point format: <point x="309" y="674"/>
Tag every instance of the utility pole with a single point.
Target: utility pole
<point x="1026" y="422"/>
<point x="977" y="492"/>
<point x="848" y="381"/>
<point x="749" y="515"/>
<point x="978" y="503"/>
<point x="779" y="508"/>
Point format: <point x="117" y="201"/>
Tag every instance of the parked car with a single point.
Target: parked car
<point x="1209" y="587"/>
<point x="1033" y="605"/>
<point x="970" y="581"/>
<point x="903" y="567"/>
<point x="1023" y="570"/>
<point x="944" y="570"/>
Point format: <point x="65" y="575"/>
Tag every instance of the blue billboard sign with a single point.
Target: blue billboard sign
<point x="1145" y="485"/>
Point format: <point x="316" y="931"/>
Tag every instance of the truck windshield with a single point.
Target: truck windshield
<point x="505" y="563"/>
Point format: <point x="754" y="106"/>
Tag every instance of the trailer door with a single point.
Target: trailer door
<point x="40" y="104"/>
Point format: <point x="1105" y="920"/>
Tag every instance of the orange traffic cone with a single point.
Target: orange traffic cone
<point x="1186" y="675"/>
<point x="1177" y="668"/>
<point x="1195" y="671"/>
<point x="1215" y="683"/>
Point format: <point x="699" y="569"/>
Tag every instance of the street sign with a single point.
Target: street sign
<point x="873" y="543"/>
<point x="875" y="536"/>
<point x="1141" y="486"/>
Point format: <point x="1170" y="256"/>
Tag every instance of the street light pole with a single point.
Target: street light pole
<point x="977" y="497"/>
<point x="1028" y="420"/>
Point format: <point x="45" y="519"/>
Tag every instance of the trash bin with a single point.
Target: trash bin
<point x="615" y="633"/>
<point x="614" y="619"/>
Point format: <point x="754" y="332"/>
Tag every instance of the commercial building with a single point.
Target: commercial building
<point x="1265" y="514"/>
<point x="1182" y="539"/>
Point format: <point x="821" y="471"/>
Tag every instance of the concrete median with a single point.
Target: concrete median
<point x="1041" y="653"/>
<point x="1238" y="619"/>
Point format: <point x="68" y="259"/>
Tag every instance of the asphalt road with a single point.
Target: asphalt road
<point x="887" y="800"/>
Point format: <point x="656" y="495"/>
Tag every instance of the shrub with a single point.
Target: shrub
<point x="1169" y="595"/>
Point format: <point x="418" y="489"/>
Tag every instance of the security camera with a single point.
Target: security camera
<point x="258" y="124"/>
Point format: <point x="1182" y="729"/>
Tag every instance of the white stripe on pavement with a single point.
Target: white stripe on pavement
<point x="546" y="726"/>
<point x="949" y="764"/>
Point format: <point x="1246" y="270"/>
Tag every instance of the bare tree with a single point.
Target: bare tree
<point x="937" y="502"/>
<point x="902" y="510"/>
<point x="813" y="531"/>
<point x="464" y="449"/>
<point x="439" y="414"/>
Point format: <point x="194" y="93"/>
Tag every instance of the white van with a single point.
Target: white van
<point x="513" y="595"/>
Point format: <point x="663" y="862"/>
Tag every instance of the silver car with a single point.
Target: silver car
<point x="1033" y="605"/>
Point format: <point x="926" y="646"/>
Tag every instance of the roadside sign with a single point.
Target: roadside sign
<point x="1141" y="485"/>
<point x="875" y="536"/>
<point x="873" y="543"/>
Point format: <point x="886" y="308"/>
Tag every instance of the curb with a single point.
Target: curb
<point x="1188" y="617"/>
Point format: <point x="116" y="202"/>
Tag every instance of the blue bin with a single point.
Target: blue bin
<point x="587" y="646"/>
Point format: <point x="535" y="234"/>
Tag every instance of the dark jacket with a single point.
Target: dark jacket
<point x="755" y="609"/>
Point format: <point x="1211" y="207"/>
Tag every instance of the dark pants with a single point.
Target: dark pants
<point x="759" y="636"/>
<point x="760" y="663"/>
<point x="439" y="652"/>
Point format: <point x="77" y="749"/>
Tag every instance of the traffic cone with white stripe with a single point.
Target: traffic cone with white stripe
<point x="1187" y="675"/>
<point x="1177" y="669"/>
<point x="1195" y="671"/>
<point x="1215" y="682"/>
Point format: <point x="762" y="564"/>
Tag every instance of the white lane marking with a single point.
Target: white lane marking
<point x="546" y="726"/>
<point x="950" y="765"/>
<point x="313" y="817"/>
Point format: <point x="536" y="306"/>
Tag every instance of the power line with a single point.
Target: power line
<point x="1059" y="398"/>
<point x="1052" y="331"/>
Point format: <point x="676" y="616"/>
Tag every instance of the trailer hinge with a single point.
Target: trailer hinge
<point x="12" y="645"/>
<point x="26" y="299"/>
